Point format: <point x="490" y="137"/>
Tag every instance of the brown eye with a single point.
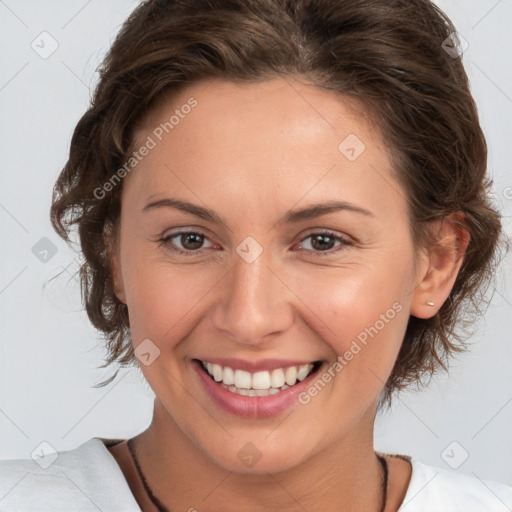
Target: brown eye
<point x="186" y="242"/>
<point x="323" y="243"/>
<point x="191" y="241"/>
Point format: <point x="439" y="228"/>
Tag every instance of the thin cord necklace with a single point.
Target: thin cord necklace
<point x="158" y="504"/>
<point x="161" y="507"/>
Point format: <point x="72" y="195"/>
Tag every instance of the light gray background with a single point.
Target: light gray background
<point x="48" y="350"/>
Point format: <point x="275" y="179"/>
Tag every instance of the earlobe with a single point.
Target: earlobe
<point x="443" y="261"/>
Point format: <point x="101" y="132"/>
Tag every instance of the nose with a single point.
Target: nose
<point x="254" y="304"/>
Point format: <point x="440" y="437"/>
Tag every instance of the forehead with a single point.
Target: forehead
<point x="277" y="137"/>
<point x="283" y="99"/>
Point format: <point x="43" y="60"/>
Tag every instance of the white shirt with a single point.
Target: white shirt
<point x="88" y="478"/>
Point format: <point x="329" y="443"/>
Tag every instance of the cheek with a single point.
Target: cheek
<point x="363" y="323"/>
<point x="360" y="312"/>
<point x="163" y="298"/>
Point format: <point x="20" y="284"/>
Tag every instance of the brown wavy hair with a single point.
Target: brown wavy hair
<point x="386" y="55"/>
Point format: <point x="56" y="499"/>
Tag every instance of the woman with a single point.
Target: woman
<point x="284" y="214"/>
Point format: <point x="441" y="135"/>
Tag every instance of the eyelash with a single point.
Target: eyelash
<point x="344" y="242"/>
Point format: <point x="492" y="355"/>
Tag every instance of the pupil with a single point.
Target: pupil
<point x="191" y="240"/>
<point x="322" y="242"/>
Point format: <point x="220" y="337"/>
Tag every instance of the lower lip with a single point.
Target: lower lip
<point x="251" y="406"/>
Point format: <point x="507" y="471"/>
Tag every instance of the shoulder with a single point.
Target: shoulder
<point x="434" y="489"/>
<point x="85" y="478"/>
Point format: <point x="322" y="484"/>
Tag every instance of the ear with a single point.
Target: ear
<point x="110" y="235"/>
<point x="440" y="265"/>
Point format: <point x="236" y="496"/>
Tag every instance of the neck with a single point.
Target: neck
<point x="183" y="477"/>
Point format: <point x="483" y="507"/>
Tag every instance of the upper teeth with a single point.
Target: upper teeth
<point x="258" y="380"/>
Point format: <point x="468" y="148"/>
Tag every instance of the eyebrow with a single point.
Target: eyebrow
<point x="291" y="216"/>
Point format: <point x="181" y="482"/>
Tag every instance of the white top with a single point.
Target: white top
<point x="88" y="478"/>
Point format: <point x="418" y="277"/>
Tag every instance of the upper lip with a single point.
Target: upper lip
<point x="255" y="366"/>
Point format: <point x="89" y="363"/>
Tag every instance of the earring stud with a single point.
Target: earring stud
<point x="430" y="303"/>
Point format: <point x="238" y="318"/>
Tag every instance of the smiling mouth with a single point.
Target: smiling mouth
<point x="261" y="383"/>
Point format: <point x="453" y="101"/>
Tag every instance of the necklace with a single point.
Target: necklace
<point x="158" y="504"/>
<point x="161" y="507"/>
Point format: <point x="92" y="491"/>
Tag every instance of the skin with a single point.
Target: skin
<point x="251" y="153"/>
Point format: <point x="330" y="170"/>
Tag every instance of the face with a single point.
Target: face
<point x="264" y="231"/>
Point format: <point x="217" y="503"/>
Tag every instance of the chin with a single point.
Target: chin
<point x="252" y="461"/>
<point x="255" y="453"/>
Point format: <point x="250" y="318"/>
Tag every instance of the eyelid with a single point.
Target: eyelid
<point x="326" y="231"/>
